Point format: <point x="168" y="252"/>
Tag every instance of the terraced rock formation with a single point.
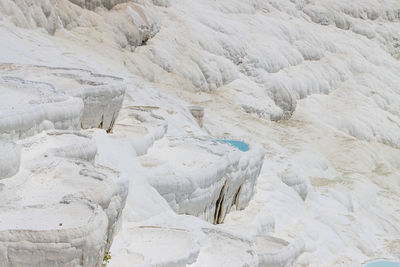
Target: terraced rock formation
<point x="102" y="95"/>
<point x="59" y="207"/>
<point x="211" y="188"/>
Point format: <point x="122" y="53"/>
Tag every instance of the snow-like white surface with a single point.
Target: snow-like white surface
<point x="83" y="147"/>
<point x="38" y="218"/>
<point x="31" y="107"/>
<point x="59" y="201"/>
<point x="10" y="155"/>
<point x="175" y="247"/>
<point x="275" y="252"/>
<point x="220" y="244"/>
<point x="209" y="188"/>
<point x="187" y="156"/>
<point x="330" y="179"/>
<point x="102" y="95"/>
<point x="68" y="234"/>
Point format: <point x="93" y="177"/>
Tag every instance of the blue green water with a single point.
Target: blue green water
<point x="238" y="144"/>
<point x="383" y="264"/>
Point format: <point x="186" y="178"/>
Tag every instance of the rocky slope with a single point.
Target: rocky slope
<point x="315" y="82"/>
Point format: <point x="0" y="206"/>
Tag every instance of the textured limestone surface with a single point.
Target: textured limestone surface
<point x="102" y="95"/>
<point x="59" y="202"/>
<point x="210" y="191"/>
<point x="314" y="82"/>
<point x="58" y="206"/>
<point x="31" y="107"/>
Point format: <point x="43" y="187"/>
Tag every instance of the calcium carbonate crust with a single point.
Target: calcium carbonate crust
<point x="284" y="254"/>
<point x="102" y="95"/>
<point x="32" y="107"/>
<point x="85" y="150"/>
<point x="58" y="168"/>
<point x="10" y="155"/>
<point x="127" y="29"/>
<point x="212" y="191"/>
<point x="59" y="176"/>
<point x="79" y="242"/>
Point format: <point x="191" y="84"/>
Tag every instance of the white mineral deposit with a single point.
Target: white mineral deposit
<point x="199" y="133"/>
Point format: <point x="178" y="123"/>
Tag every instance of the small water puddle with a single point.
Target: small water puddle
<point x="238" y="144"/>
<point x="383" y="263"/>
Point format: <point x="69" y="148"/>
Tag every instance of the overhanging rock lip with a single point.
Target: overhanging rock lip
<point x="49" y="234"/>
<point x="198" y="192"/>
<point x="33" y="106"/>
<point x="102" y="95"/>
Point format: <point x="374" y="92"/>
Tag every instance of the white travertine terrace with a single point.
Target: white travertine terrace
<point x="206" y="184"/>
<point x="71" y="233"/>
<point x="83" y="148"/>
<point x="210" y="191"/>
<point x="9" y="159"/>
<point x="275" y="252"/>
<point x="31" y="107"/>
<point x="141" y="127"/>
<point x="55" y="198"/>
<point x="242" y="251"/>
<point x="329" y="68"/>
<point x="139" y="26"/>
<point x="176" y="247"/>
<point x="60" y="202"/>
<point x="102" y="95"/>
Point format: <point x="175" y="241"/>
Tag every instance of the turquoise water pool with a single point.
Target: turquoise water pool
<point x="383" y="263"/>
<point x="238" y="144"/>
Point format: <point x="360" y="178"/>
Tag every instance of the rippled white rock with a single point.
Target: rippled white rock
<point x="102" y="95"/>
<point x="10" y="155"/>
<point x="68" y="234"/>
<point x="329" y="67"/>
<point x="210" y="191"/>
<point x="140" y="25"/>
<point x="31" y="107"/>
<point x="59" y="202"/>
<point x="277" y="252"/>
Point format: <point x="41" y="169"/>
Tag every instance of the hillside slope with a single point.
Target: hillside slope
<point x="315" y="82"/>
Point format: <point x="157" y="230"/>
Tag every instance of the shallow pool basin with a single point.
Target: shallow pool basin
<point x="383" y="263"/>
<point x="238" y="144"/>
